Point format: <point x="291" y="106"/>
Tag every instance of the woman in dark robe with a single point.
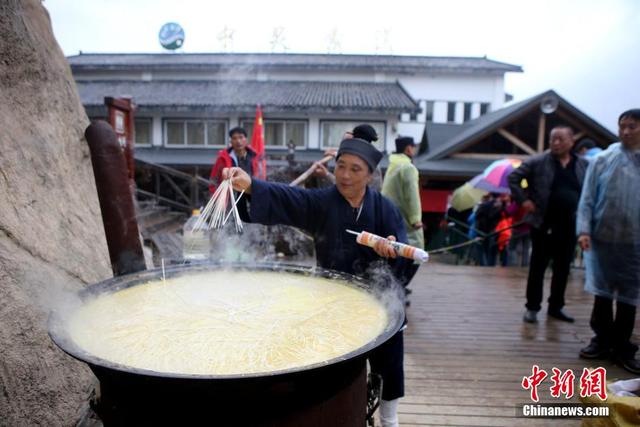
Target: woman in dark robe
<point x="326" y="214"/>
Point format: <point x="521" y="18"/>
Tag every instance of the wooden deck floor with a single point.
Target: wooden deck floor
<point x="467" y="348"/>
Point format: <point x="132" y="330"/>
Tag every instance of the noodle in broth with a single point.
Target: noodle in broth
<point x="228" y="323"/>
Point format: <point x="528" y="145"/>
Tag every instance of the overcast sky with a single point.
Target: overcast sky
<point x="588" y="51"/>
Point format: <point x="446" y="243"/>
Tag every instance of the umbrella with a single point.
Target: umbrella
<point x="480" y="183"/>
<point x="466" y="197"/>
<point x="494" y="177"/>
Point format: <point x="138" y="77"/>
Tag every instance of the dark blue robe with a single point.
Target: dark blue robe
<point x="326" y="215"/>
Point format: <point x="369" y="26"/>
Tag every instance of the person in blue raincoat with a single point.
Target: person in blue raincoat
<point x="608" y="227"/>
<point x="326" y="214"/>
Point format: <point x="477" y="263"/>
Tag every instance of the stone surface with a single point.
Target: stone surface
<point x="51" y="235"/>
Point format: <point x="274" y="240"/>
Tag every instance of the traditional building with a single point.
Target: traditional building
<point x="455" y="106"/>
<point x="187" y="102"/>
<point x="453" y="154"/>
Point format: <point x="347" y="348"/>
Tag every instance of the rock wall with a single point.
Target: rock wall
<point x="51" y="235"/>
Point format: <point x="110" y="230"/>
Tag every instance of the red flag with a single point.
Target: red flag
<point x="257" y="144"/>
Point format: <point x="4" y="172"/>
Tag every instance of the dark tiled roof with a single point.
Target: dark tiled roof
<point x="439" y="134"/>
<point x="392" y="63"/>
<point x="489" y="123"/>
<point x="242" y="96"/>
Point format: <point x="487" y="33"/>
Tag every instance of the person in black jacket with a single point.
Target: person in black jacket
<point x="555" y="181"/>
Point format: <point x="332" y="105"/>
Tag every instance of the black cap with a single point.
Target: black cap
<point x="366" y="132"/>
<point x="403" y="142"/>
<point x="361" y="148"/>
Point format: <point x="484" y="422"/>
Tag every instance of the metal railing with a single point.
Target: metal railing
<point x="170" y="186"/>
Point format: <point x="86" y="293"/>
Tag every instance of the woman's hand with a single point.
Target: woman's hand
<point x="240" y="180"/>
<point x="320" y="170"/>
<point x="384" y="249"/>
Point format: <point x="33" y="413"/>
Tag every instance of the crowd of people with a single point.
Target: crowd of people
<point x="579" y="201"/>
<point x="568" y="201"/>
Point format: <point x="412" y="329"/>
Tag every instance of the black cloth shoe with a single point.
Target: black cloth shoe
<point x="628" y="364"/>
<point x="530" y="316"/>
<point x="594" y="351"/>
<point x="560" y="315"/>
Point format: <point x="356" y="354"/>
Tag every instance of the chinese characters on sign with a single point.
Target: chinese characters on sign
<point x="592" y="382"/>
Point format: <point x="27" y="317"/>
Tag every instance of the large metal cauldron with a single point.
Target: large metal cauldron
<point x="331" y="393"/>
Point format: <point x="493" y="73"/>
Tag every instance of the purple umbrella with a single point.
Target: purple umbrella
<point x="481" y="183"/>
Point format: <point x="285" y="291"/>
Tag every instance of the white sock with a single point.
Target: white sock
<point x="389" y="413"/>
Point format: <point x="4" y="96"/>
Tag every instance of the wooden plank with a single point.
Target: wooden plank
<point x="469" y="420"/>
<point x="516" y="141"/>
<point x="541" y="131"/>
<point x="176" y="188"/>
<point x="478" y="411"/>
<point x="575" y="124"/>
<point x="467" y="349"/>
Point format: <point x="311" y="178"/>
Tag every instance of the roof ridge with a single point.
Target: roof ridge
<point x="501" y="116"/>
<point x="257" y="59"/>
<point x="337" y="55"/>
<point x="243" y="81"/>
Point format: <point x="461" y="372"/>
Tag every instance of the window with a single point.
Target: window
<point x="429" y="111"/>
<point x="279" y="133"/>
<point x="195" y="133"/>
<point x="484" y="108"/>
<point x="451" y="112"/>
<point x="333" y="131"/>
<point x="143" y="131"/>
<point x="467" y="111"/>
<point x="216" y="133"/>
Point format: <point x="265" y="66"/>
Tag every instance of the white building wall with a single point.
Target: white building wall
<point x="459" y="117"/>
<point x="440" y="112"/>
<point x="156" y="130"/>
<point x="498" y="93"/>
<point x="313" y="133"/>
<point x="468" y="88"/>
<point x="475" y="110"/>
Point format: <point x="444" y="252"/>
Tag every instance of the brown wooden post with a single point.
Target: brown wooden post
<point x="541" y="132"/>
<point x="116" y="199"/>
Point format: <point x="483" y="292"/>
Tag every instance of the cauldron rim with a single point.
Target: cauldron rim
<point x="60" y="337"/>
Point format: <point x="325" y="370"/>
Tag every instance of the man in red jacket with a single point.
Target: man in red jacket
<point x="238" y="155"/>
